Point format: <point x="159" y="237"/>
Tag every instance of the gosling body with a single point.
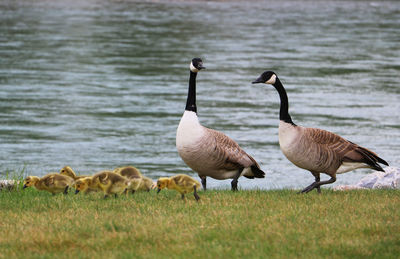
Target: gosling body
<point x="67" y="170"/>
<point x="107" y="181"/>
<point x="53" y="183"/>
<point x="182" y="183"/>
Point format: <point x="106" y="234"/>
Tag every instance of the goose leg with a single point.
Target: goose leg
<point x="318" y="184"/>
<point x="66" y="190"/>
<point x="115" y="195"/>
<point x="235" y="180"/>
<point x="317" y="180"/>
<point x="196" y="196"/>
<point x="204" y="182"/>
<point x="183" y="196"/>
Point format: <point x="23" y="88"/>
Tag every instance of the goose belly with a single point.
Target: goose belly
<point x="350" y="166"/>
<point x="203" y="162"/>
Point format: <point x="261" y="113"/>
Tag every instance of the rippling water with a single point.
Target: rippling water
<point x="98" y="84"/>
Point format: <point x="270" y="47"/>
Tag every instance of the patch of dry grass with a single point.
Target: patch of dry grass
<point x="223" y="224"/>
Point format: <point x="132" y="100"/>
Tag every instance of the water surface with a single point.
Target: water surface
<point x="99" y="84"/>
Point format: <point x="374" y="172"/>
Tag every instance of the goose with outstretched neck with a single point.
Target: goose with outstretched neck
<point x="209" y="152"/>
<point x="316" y="150"/>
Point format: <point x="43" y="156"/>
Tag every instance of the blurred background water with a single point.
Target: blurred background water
<point x="98" y="84"/>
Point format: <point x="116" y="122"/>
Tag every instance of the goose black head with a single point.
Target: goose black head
<point x="268" y="77"/>
<point x="196" y="65"/>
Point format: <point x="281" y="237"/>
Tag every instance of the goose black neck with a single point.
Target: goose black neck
<point x="191" y="99"/>
<point x="284" y="110"/>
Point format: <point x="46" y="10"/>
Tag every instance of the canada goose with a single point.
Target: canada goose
<point x="53" y="183"/>
<point x="107" y="181"/>
<point x="316" y="150"/>
<point x="181" y="183"/>
<point x="66" y="170"/>
<point x="210" y="152"/>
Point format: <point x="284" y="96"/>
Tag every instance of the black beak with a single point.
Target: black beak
<point x="24" y="186"/>
<point x="159" y="190"/>
<point x="258" y="80"/>
<point x="201" y="67"/>
<point x="76" y="191"/>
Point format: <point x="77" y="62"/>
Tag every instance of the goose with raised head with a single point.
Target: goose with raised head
<point x="316" y="150"/>
<point x="209" y="152"/>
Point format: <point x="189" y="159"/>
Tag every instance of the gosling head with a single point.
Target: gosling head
<point x="268" y="77"/>
<point x="30" y="181"/>
<point x="196" y="65"/>
<point x="82" y="184"/>
<point x="66" y="170"/>
<point x="162" y="183"/>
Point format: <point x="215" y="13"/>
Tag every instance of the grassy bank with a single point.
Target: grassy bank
<point x="279" y="224"/>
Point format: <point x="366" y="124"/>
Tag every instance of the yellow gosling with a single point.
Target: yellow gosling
<point x="66" y="170"/>
<point x="53" y="183"/>
<point x="128" y="172"/>
<point x="133" y="175"/>
<point x="181" y="183"/>
<point x="85" y="185"/>
<point x="107" y="181"/>
<point x="146" y="184"/>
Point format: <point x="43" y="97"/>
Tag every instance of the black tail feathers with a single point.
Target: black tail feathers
<point x="258" y="173"/>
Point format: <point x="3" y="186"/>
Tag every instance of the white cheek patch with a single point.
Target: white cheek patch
<point x="193" y="68"/>
<point x="272" y="80"/>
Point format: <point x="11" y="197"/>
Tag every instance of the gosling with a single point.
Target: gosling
<point x="66" y="170"/>
<point x="133" y="175"/>
<point x="181" y="183"/>
<point x="53" y="183"/>
<point x="146" y="184"/>
<point x="107" y="181"/>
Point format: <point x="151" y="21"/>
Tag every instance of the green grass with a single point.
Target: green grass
<point x="255" y="224"/>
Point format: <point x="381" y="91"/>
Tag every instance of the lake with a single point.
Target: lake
<point x="99" y="84"/>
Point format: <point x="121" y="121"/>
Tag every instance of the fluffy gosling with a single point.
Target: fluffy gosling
<point x="107" y="181"/>
<point x="146" y="184"/>
<point x="181" y="183"/>
<point x="53" y="183"/>
<point x="128" y="172"/>
<point x="66" y="170"/>
<point x="138" y="181"/>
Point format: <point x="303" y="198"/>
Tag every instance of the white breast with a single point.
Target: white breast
<point x="287" y="136"/>
<point x="189" y="131"/>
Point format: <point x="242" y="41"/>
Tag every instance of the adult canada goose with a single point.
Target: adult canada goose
<point x="210" y="152"/>
<point x="316" y="150"/>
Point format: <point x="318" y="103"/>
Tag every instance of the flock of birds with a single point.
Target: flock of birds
<point x="211" y="153"/>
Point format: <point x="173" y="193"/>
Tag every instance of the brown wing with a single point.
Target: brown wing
<point x="228" y="153"/>
<point x="342" y="150"/>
